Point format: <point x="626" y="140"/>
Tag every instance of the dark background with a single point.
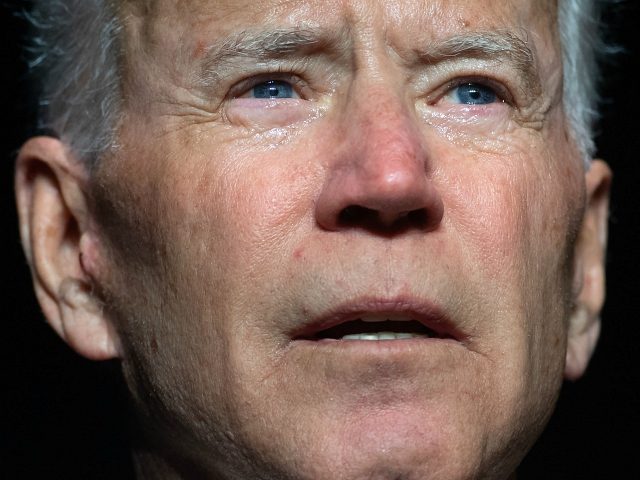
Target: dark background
<point x="64" y="417"/>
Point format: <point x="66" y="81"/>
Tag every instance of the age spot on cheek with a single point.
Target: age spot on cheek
<point x="199" y="50"/>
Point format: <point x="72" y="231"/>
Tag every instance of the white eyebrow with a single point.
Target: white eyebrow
<point x="297" y="44"/>
<point x="263" y="45"/>
<point x="505" y="46"/>
<point x="266" y="44"/>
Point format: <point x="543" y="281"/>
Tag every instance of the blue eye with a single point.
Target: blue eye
<point x="272" y="89"/>
<point x="475" y="94"/>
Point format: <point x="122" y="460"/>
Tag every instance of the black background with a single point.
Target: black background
<point x="64" y="417"/>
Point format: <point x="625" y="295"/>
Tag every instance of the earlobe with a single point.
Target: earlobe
<point x="82" y="323"/>
<point x="54" y="227"/>
<point x="584" y="324"/>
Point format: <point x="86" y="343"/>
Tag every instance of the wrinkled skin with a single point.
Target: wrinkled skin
<point x="223" y="224"/>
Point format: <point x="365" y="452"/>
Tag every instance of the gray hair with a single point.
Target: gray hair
<point x="77" y="58"/>
<point x="582" y="45"/>
<point x="76" y="62"/>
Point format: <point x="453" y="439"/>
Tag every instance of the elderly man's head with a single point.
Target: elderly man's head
<point x="327" y="239"/>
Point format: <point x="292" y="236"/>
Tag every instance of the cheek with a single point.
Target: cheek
<point x="213" y="225"/>
<point x="514" y="223"/>
<point x="512" y="214"/>
<point x="248" y="211"/>
<point x="487" y="214"/>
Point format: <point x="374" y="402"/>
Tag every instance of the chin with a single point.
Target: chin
<point x="389" y="443"/>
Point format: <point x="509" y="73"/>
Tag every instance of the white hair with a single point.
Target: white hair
<point x="76" y="64"/>
<point x="579" y="24"/>
<point x="77" y="57"/>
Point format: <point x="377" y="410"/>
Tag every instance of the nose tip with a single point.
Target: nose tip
<point x="390" y="193"/>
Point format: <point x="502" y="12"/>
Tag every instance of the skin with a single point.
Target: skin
<point x="223" y="225"/>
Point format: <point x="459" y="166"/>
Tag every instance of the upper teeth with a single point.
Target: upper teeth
<point x="382" y="336"/>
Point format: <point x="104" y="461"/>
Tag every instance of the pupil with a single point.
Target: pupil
<point x="474" y="94"/>
<point x="273" y="89"/>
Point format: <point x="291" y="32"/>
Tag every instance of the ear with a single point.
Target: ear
<point x="589" y="275"/>
<point x="58" y="240"/>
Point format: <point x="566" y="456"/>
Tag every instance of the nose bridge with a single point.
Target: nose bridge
<point x="387" y="141"/>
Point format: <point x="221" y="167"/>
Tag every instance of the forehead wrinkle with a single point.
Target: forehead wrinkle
<point x="499" y="45"/>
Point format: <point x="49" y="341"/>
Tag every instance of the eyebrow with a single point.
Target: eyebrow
<point x="501" y="46"/>
<point x="292" y="43"/>
<point x="264" y="45"/>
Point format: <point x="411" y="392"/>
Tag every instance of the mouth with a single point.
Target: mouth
<point x="377" y="322"/>
<point x="370" y="328"/>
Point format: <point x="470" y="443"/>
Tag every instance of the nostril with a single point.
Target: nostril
<point x="418" y="217"/>
<point x="382" y="220"/>
<point x="356" y="215"/>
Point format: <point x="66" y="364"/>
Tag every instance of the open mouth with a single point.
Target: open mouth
<point x="375" y="328"/>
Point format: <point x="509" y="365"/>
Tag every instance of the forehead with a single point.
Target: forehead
<point x="440" y="17"/>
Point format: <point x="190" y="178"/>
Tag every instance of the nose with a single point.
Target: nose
<point x="379" y="179"/>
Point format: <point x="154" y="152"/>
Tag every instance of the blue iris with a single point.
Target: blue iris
<point x="475" y="94"/>
<point x="273" y="89"/>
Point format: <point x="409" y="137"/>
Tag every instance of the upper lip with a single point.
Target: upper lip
<point x="425" y="312"/>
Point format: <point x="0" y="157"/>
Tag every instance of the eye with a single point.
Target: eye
<point x="474" y="94"/>
<point x="273" y="89"/>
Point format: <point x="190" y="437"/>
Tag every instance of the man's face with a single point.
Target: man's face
<point x="292" y="174"/>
